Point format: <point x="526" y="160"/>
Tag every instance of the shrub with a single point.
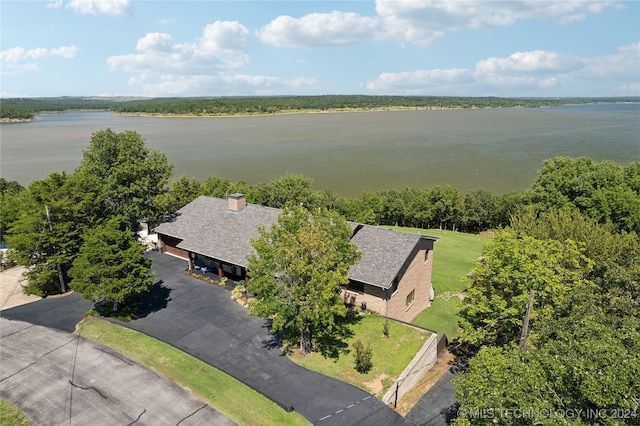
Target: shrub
<point x="238" y="292"/>
<point x="385" y="328"/>
<point x="363" y="355"/>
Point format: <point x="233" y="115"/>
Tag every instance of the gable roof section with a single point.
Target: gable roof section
<point x="207" y="227"/>
<point x="384" y="252"/>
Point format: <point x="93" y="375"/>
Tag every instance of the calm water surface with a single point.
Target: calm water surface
<point x="499" y="150"/>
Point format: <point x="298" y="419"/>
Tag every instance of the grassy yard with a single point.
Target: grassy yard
<point x="390" y="355"/>
<point x="219" y="390"/>
<point x="453" y="258"/>
<point x="11" y="416"/>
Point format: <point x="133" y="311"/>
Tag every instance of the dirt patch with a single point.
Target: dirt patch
<point x="442" y="365"/>
<point x="488" y="233"/>
<point x="449" y="294"/>
<point x="375" y="386"/>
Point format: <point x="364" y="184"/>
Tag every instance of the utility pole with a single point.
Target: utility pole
<point x="525" y="327"/>
<point x="63" y="287"/>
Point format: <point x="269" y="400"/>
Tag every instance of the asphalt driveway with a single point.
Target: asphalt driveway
<point x="202" y="320"/>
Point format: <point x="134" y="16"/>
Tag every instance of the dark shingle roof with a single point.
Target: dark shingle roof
<point x="384" y="252"/>
<point x="207" y="227"/>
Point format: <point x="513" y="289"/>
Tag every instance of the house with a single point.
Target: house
<point x="393" y="276"/>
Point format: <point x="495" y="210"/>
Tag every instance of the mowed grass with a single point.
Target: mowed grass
<point x="11" y="416"/>
<point x="453" y="257"/>
<point x="390" y="354"/>
<point x="221" y="391"/>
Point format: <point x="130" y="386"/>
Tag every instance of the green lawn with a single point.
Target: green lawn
<point x="390" y="355"/>
<point x="453" y="257"/>
<point x="11" y="416"/>
<point x="219" y="390"/>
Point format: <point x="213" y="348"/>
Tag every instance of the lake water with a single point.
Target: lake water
<point x="499" y="150"/>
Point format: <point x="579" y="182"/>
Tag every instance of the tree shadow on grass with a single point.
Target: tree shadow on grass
<point x="333" y="343"/>
<point x="329" y="343"/>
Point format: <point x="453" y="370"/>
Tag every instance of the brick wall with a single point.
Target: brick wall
<point x="417" y="278"/>
<point x="168" y="244"/>
<point x="374" y="297"/>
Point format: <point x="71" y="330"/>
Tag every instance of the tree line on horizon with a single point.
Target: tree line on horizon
<point x="605" y="191"/>
<point x="26" y="108"/>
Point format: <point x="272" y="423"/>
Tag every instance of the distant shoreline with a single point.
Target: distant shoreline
<point x="302" y="111"/>
<point x="16" y="120"/>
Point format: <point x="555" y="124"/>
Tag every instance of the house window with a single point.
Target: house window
<point x="411" y="297"/>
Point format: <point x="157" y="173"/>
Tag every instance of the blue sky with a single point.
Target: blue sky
<point x="388" y="47"/>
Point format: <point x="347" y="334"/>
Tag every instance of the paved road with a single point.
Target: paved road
<point x="201" y="319"/>
<point x="56" y="378"/>
<point x="59" y="312"/>
<point x="436" y="407"/>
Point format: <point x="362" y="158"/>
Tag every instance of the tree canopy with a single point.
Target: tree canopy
<point x="132" y="177"/>
<point x="510" y="267"/>
<point x="110" y="265"/>
<point x="297" y="271"/>
<point x="47" y="234"/>
<point x="584" y="356"/>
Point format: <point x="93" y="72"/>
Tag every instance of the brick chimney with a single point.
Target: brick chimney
<point x="236" y="202"/>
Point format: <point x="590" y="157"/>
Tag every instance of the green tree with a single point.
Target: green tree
<point x="182" y="192"/>
<point x="616" y="255"/>
<point x="9" y="205"/>
<point x="447" y="205"/>
<point x="297" y="271"/>
<point x="111" y="265"/>
<point x="49" y="243"/>
<point x="605" y="191"/>
<point x="584" y="359"/>
<point x="502" y="278"/>
<point x="288" y="190"/>
<point x="132" y="176"/>
<point x="479" y="211"/>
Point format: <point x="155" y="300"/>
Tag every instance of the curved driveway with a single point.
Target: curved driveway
<point x="202" y="320"/>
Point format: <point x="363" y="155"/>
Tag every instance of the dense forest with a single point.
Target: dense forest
<point x="26" y="108"/>
<point x="550" y="319"/>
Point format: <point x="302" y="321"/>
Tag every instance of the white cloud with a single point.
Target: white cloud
<point x="319" y="30"/>
<point x="207" y="65"/>
<point x="99" y="7"/>
<point x="624" y="63"/>
<point x="57" y="4"/>
<point x="533" y="61"/>
<point x="17" y="55"/>
<point x="221" y="48"/>
<point x="226" y="36"/>
<point x="419" y="22"/>
<point x="230" y="85"/>
<point x="518" y="74"/>
<point x="419" y="82"/>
